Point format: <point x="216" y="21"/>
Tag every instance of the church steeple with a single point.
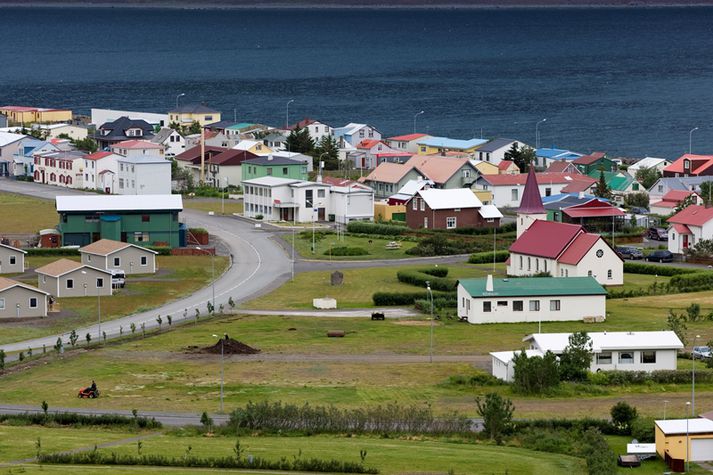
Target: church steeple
<point x="531" y="208"/>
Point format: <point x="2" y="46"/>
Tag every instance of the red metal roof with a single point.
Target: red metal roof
<point x="676" y="195"/>
<point x="407" y="138"/>
<point x="193" y="154"/>
<point x="592" y="209"/>
<point x="589" y="159"/>
<point x="505" y="164"/>
<point x="579" y="248"/>
<point x="698" y="163"/>
<point x="97" y="155"/>
<point x="531" y="202"/>
<point x="369" y="143"/>
<point x="665" y="204"/>
<point x="693" y="215"/>
<point x="681" y="229"/>
<point x="546" y="239"/>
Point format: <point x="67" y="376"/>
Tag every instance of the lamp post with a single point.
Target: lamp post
<point x="688" y="405"/>
<point x="414" y="120"/>
<point x="665" y="403"/>
<point x="85" y="289"/>
<point x="17" y="310"/>
<point x="222" y="196"/>
<point x="693" y="378"/>
<point x="690" y="139"/>
<point x="430" y="345"/>
<point x="287" y="114"/>
<point x="99" y="316"/>
<point x="222" y="374"/>
<point x="212" y="272"/>
<point x="180" y="95"/>
<point x="537" y="133"/>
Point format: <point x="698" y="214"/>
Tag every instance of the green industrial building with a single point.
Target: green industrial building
<point x="279" y="167"/>
<point x="146" y="220"/>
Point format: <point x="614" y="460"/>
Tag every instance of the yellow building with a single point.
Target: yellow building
<point x="186" y="115"/>
<point x="385" y="212"/>
<point x="485" y="168"/>
<point x="679" y="440"/>
<point x="21" y="115"/>
<point x="253" y="146"/>
<point x="442" y="145"/>
<point x="485" y="196"/>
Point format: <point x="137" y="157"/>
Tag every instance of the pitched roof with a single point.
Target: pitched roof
<point x="557" y="154"/>
<point x="232" y="157"/>
<point x="343" y="182"/>
<point x="449" y="199"/>
<point x="531" y="202"/>
<point x="6" y="138"/>
<point x="546" y="239"/>
<point x="162" y="135"/>
<point x="529" y="286"/>
<point x="561" y="166"/>
<point x="120" y="125"/>
<point x="59" y="267"/>
<point x="93" y="203"/>
<point x="388" y="172"/>
<point x="578" y="248"/>
<point x="605" y="341"/>
<point x="194" y="109"/>
<point x="6" y="284"/>
<point x="445" y="142"/>
<point x="698" y="425"/>
<point x="495" y="144"/>
<point x="698" y="164"/>
<point x="504" y="164"/>
<point x="693" y="215"/>
<point x="677" y="195"/>
<point x="589" y="159"/>
<point x="193" y="154"/>
<point x="558" y="178"/>
<point x="104" y="247"/>
<point x="648" y="162"/>
<point x="7" y="246"/>
<point x="97" y="155"/>
<point x="681" y="229"/>
<point x="369" y="143"/>
<point x="137" y="144"/>
<point x="592" y="208"/>
<point x="438" y="168"/>
<point x="407" y="137"/>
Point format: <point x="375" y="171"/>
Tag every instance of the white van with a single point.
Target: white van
<point x="118" y="278"/>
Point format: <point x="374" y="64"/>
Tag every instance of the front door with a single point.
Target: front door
<point x="425" y="222"/>
<point x="685" y="241"/>
<point x="320" y="214"/>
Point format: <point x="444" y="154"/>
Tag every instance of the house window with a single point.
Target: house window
<point x="626" y="357"/>
<point x="648" y="357"/>
<point x="548" y="191"/>
<point x="284" y="170"/>
<point x="604" y="358"/>
<point x="423" y="149"/>
<point x="269" y="171"/>
<point x="545" y="264"/>
<point x="121" y="183"/>
<point x="517" y="306"/>
<point x="145" y="218"/>
<point x="70" y="283"/>
<point x="371" y="133"/>
<point x="308" y="198"/>
<point x="529" y="264"/>
<point x="537" y="265"/>
<point x="100" y="283"/>
<point x="141" y="237"/>
<point x="534" y="305"/>
<point x="466" y="173"/>
<point x="414" y="204"/>
<point x="144" y="261"/>
<point x="422" y="204"/>
<point x="589" y="273"/>
<point x="554" y="305"/>
<point x="566" y="272"/>
<point x="117" y="262"/>
<point x="320" y="193"/>
<point x="660" y="187"/>
<point x="13" y="260"/>
<point x="502" y="303"/>
<point x="33" y="302"/>
<point x="487" y="306"/>
<point x="514" y="194"/>
<point x="451" y="222"/>
<point x="2" y="304"/>
<point x="609" y="274"/>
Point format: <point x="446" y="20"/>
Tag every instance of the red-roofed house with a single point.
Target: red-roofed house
<point x="138" y="148"/>
<point x="406" y="143"/>
<point x="191" y="159"/>
<point x="564" y="250"/>
<point x="690" y="165"/>
<point x="508" y="167"/>
<point x="670" y="201"/>
<point x="100" y="169"/>
<point x="317" y="130"/>
<point x="507" y="189"/>
<point x="562" y="166"/>
<point x="689" y="226"/>
<point x="365" y="155"/>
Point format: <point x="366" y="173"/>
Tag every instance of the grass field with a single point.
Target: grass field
<point x="376" y="248"/>
<point x="36" y="214"/>
<point x="213" y="204"/>
<point x="178" y="276"/>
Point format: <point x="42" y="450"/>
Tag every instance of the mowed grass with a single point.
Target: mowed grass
<point x="376" y="247"/>
<point x="25" y="214"/>
<point x="213" y="204"/>
<point x="178" y="276"/>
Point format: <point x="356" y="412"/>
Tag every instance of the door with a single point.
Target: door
<point x="685" y="241"/>
<point x="701" y="450"/>
<point x="320" y="214"/>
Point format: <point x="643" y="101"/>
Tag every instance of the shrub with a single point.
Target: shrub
<point x="74" y="419"/>
<point x="480" y="379"/>
<point x="692" y="282"/>
<point x="424" y="305"/>
<point x="487" y="257"/>
<point x="50" y="251"/>
<point x="622" y="415"/>
<point x="505" y="228"/>
<point x="366" y="227"/>
<point x="434" y="271"/>
<point x="639" y="268"/>
<point x="438" y="245"/>
<point x="496" y="412"/>
<point x="419" y="279"/>
<point x="346" y="251"/>
<point x="642" y="429"/>
<point x="407" y="298"/>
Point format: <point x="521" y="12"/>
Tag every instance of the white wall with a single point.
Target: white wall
<point x="359" y="205"/>
<point x="101" y="116"/>
<point x="317" y="130"/>
<point x="145" y="178"/>
<point x="496" y="156"/>
<point x="532" y="265"/>
<point x="503" y="197"/>
<point x="665" y="359"/>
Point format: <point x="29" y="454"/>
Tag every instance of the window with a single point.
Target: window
<point x="100" y="283"/>
<point x="422" y="204"/>
<point x="145" y="218"/>
<point x="529" y="264"/>
<point x="660" y="188"/>
<point x="589" y="273"/>
<point x="121" y="183"/>
<point x="451" y="222"/>
<point x="144" y="261"/>
<point x="423" y="149"/>
<point x="609" y="274"/>
<point x="208" y="117"/>
<point x="514" y="194"/>
<point x="545" y="264"/>
<point x="548" y="191"/>
<point x="648" y="357"/>
<point x="70" y="283"/>
<point x="284" y="170"/>
<point x="320" y="193"/>
<point x="537" y="265"/>
<point x="534" y="305"/>
<point x="13" y="260"/>
<point x="117" y="262"/>
<point x="309" y="194"/>
<point x="269" y="171"/>
<point x="502" y="303"/>
<point x="554" y="305"/>
<point x="626" y="358"/>
<point x="2" y="304"/>
<point x="33" y="302"/>
<point x="89" y="258"/>
<point x="520" y="262"/>
<point x="517" y="306"/>
<point x="141" y="237"/>
<point x="487" y="306"/>
<point x="566" y="272"/>
<point x="604" y="358"/>
<point x="466" y="173"/>
<point x="414" y="204"/>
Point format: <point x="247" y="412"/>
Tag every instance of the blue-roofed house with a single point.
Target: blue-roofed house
<point x="354" y="133"/>
<point x="24" y="158"/>
<point x="544" y="157"/>
<point x="494" y="151"/>
<point x="666" y="184"/>
<point x="441" y="145"/>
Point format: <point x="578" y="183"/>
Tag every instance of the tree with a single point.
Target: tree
<point x="496" y="412"/>
<point x="640" y="199"/>
<point x="677" y="324"/>
<point x="521" y="156"/>
<point x="622" y="415"/>
<point x="702" y="248"/>
<point x="647" y="176"/>
<point x="328" y="151"/>
<point x="602" y="190"/>
<point x="300" y="141"/>
<point x="576" y="359"/>
<point x="706" y="191"/>
<point x="194" y="128"/>
<point x="86" y="144"/>
<point x="600" y="458"/>
<point x="536" y="374"/>
<point x="688" y="201"/>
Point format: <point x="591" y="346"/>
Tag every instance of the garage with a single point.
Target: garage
<point x="701" y="450"/>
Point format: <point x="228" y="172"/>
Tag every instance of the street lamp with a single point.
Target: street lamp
<point x="222" y="196"/>
<point x="212" y="270"/>
<point x="430" y="346"/>
<point x="414" y="120"/>
<point x="222" y="374"/>
<point x="17" y="308"/>
<point x="693" y="377"/>
<point x="688" y="405"/>
<point x="180" y="95"/>
<point x="85" y="289"/>
<point x="537" y="133"/>
<point x="665" y="403"/>
<point x="99" y="316"/>
<point x="690" y="139"/>
<point x="287" y="114"/>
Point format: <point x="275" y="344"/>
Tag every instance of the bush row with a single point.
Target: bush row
<point x="74" y="419"/>
<point x="419" y="279"/>
<point x="692" y="282"/>
<point x="346" y="251"/>
<point x="480" y="379"/>
<point x="424" y="305"/>
<point x="487" y="257"/>
<point x="406" y="298"/>
<point x="638" y="268"/>
<point x="505" y="228"/>
<point x="366" y="227"/>
<point x="434" y="271"/>
<point x="617" y="378"/>
<point x="52" y="251"/>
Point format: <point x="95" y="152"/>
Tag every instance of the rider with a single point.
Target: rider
<point x="93" y="387"/>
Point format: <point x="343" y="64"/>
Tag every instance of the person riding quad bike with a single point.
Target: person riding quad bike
<point x="89" y="391"/>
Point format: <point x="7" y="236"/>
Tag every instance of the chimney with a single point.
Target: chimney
<point x="489" y="283"/>
<point x="269" y="157"/>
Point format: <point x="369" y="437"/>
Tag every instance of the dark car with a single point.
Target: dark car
<point x="629" y="252"/>
<point x="660" y="256"/>
<point x="637" y="210"/>
<point x="657" y="234"/>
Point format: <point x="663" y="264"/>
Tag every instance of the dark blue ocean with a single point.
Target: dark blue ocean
<point x="628" y="81"/>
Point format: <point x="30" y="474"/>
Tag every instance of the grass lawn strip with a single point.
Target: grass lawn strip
<point x="213" y="204"/>
<point x="41" y="214"/>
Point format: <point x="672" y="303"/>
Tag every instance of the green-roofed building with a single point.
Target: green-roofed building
<point x="620" y="183"/>
<point x="531" y="299"/>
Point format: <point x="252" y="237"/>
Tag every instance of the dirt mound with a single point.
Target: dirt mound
<point x="230" y="347"/>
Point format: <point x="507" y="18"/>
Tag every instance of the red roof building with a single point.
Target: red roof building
<point x="690" y="165"/>
<point x="672" y="200"/>
<point x="689" y="226"/>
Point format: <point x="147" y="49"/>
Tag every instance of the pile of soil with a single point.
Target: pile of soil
<point x="230" y="347"/>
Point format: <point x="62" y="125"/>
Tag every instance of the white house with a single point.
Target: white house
<point x="494" y="151"/>
<point x="352" y="202"/>
<point x="100" y="170"/>
<point x="689" y="226"/>
<point x="354" y="133"/>
<point x="144" y="176"/>
<point x="507" y="190"/>
<point x="317" y="130"/>
<point x="564" y="250"/>
<point x="672" y="200"/>
<point x="612" y="351"/>
<point x="542" y="299"/>
<point x="12" y="259"/>
<point x="138" y="148"/>
<point x="406" y="143"/>
<point x="365" y="155"/>
<point x="172" y="142"/>
<point x="9" y="144"/>
<point x="53" y="131"/>
<point x="102" y="116"/>
<point x="62" y="168"/>
<point x="648" y="162"/>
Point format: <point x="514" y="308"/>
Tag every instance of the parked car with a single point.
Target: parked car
<point x="629" y="252"/>
<point x="638" y="210"/>
<point x="701" y="352"/>
<point x="660" y="256"/>
<point x="657" y="234"/>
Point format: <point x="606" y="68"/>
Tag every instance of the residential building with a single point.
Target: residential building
<point x="664" y="185"/>
<point x="672" y="200"/>
<point x="689" y="226"/>
<point x="594" y="214"/>
<point x="354" y="133"/>
<point x="594" y="163"/>
<point x="648" y="162"/>
<point x="189" y="113"/>
<point x="23" y="161"/>
<point x="317" y="130"/>
<point x="495" y="150"/>
<point x="544" y="157"/>
<point x="507" y="167"/>
<point x="3" y="121"/>
<point x="563" y="166"/>
<point x="690" y="164"/>
<point x="679" y="441"/>
<point x="102" y="116"/>
<point x="225" y="168"/>
<point x="545" y="299"/>
<point x="145" y="175"/>
<point x="275" y="141"/>
<point x="35" y="115"/>
<point x="9" y="145"/>
<point x="285" y="199"/>
<point x="53" y="131"/>
<point x="392" y="157"/>
<point x="133" y="219"/>
<point x="12" y="259"/>
<point x="253" y="146"/>
<point x="61" y="168"/>
<point x="611" y="351"/>
<point x="487" y="168"/>
<point x="122" y="129"/>
<point x="440" y="145"/>
<point x="508" y="189"/>
<point x="66" y="278"/>
<point x="350" y="202"/>
<point x="620" y="184"/>
<point x="306" y="160"/>
<point x="564" y="250"/>
<point x="19" y="300"/>
<point x="116" y="255"/>
<point x="173" y="143"/>
<point x="191" y="159"/>
<point x="138" y="149"/>
<point x="406" y="143"/>
<point x="449" y="209"/>
<point x="408" y="191"/>
<point x="273" y="166"/>
<point x="365" y="155"/>
<point x="100" y="171"/>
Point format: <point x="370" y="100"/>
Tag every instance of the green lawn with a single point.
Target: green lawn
<point x="654" y="466"/>
<point x="376" y="248"/>
<point x="213" y="204"/>
<point x="36" y="213"/>
<point x="178" y="276"/>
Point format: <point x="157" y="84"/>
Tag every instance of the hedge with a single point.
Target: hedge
<point x="424" y="305"/>
<point x="692" y="282"/>
<point x="605" y="426"/>
<point x="406" y="298"/>
<point x="419" y="279"/>
<point x="487" y="257"/>
<point x="346" y="251"/>
<point x="638" y="268"/>
<point x="618" y="378"/>
<point x="367" y="227"/>
<point x="52" y="251"/>
<point x="434" y="271"/>
<point x="74" y="419"/>
<point x="505" y="228"/>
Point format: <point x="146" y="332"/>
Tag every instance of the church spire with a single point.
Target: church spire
<point x="531" y="202"/>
